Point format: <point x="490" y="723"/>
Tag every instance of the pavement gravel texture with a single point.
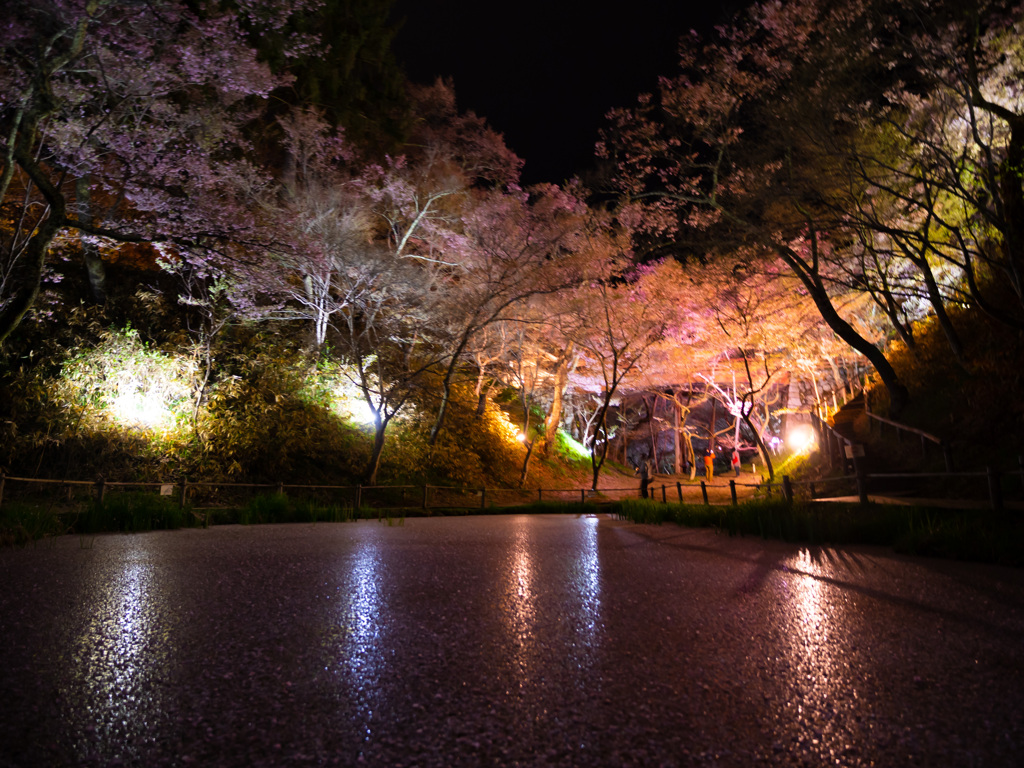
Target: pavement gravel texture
<point x="519" y="640"/>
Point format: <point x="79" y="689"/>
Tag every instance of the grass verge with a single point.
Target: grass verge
<point x="977" y="535"/>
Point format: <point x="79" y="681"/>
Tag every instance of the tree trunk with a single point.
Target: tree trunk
<point x="898" y="394"/>
<point x="650" y="428"/>
<point x="555" y="414"/>
<point x="481" y="401"/>
<point x="19" y="305"/>
<point x="761" y="447"/>
<point x="677" y="465"/>
<point x="446" y="388"/>
<point x="38" y="245"/>
<point x="94" y="266"/>
<point x="526" y="463"/>
<point x="597" y="458"/>
<point x="939" y="305"/>
<point x="370" y="475"/>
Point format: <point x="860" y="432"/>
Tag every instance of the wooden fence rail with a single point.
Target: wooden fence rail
<point x="433" y="497"/>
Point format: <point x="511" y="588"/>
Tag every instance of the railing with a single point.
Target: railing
<point x="209" y="496"/>
<point x="859" y="482"/>
<point x="926" y="438"/>
<point x="204" y="497"/>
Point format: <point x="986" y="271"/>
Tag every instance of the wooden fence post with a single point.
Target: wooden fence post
<point x="184" y="490"/>
<point x="359" y="497"/>
<point x="679" y="490"/>
<point x="862" y="481"/>
<point x="483" y="498"/>
<point x="583" y="495"/>
<point x="423" y="503"/>
<point x="995" y="491"/>
<point x="664" y="499"/>
<point x="787" y="489"/>
<point x="100" y="490"/>
<point x="704" y="493"/>
<point x="732" y="490"/>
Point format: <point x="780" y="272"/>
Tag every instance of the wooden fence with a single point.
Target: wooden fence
<point x="221" y="495"/>
<point x="210" y="496"/>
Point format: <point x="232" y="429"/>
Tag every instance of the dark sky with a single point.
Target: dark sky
<point x="545" y="73"/>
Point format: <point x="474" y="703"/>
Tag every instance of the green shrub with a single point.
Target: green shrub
<point x="22" y="522"/>
<point x="131" y="512"/>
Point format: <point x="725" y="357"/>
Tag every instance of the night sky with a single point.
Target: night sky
<point x="544" y="73"/>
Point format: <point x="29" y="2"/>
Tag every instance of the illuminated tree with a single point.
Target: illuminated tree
<point x="324" y="222"/>
<point x="934" y="169"/>
<point x="761" y="315"/>
<point x="144" y="102"/>
<point x="384" y="334"/>
<point x="518" y="245"/>
<point x="718" y="155"/>
<point x="617" y="324"/>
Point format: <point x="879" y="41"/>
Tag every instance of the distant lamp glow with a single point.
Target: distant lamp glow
<point x="801" y="438"/>
<point x="521" y="437"/>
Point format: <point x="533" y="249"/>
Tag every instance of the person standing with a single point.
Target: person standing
<point x="644" y="470"/>
<point x="709" y="464"/>
<point x="736" y="461"/>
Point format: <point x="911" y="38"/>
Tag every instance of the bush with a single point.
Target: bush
<point x="131" y="512"/>
<point x="22" y="522"/>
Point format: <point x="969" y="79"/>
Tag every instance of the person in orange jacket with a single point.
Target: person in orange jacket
<point x="709" y="464"/>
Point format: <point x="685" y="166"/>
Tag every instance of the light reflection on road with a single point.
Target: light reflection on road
<point x="118" y="655"/>
<point x="586" y="585"/>
<point x="822" y="687"/>
<point x="519" y="598"/>
<point x="355" y="644"/>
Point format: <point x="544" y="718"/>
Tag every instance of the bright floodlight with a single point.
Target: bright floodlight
<point x="142" y="409"/>
<point x="361" y="412"/>
<point x="801" y="438"/>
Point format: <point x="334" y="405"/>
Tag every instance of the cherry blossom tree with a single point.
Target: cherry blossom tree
<point x="761" y="314"/>
<point x="324" y="220"/>
<point x="934" y="179"/>
<point x="143" y="102"/>
<point x="384" y="334"/>
<point x="719" y="152"/>
<point x="518" y="245"/>
<point x="617" y="324"/>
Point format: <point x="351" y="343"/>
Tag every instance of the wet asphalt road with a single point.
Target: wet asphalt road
<point x="519" y="640"/>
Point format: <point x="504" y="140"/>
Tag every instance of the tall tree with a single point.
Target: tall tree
<point x="717" y="155"/>
<point x="144" y="101"/>
<point x="617" y="324"/>
<point x="518" y="245"/>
